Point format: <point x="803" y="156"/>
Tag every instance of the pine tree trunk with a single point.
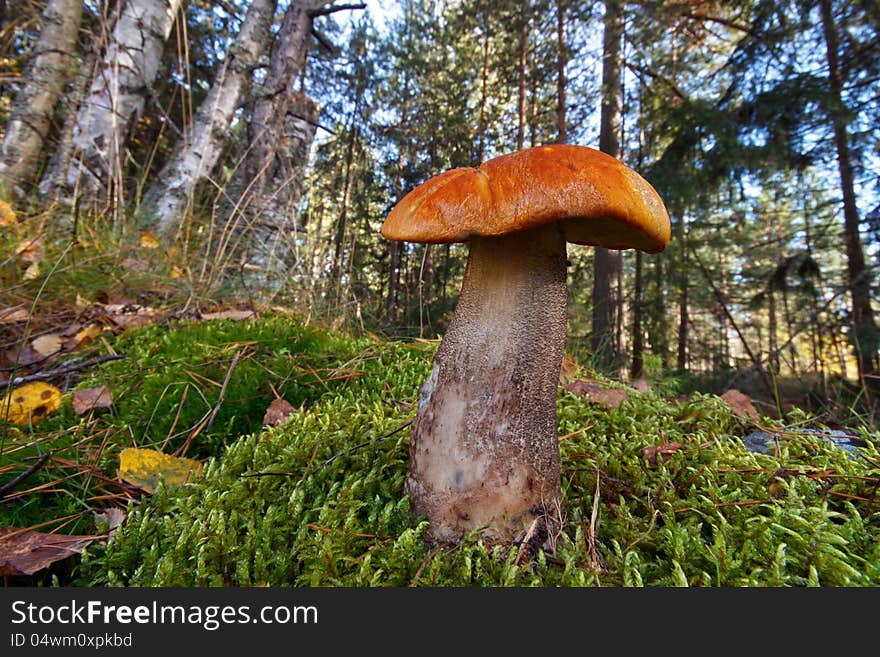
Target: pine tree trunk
<point x="637" y="364"/>
<point x="864" y="330"/>
<point x="44" y="80"/>
<point x="561" y="120"/>
<point x="606" y="263"/>
<point x="522" y="51"/>
<point x="169" y="196"/>
<point x="118" y="94"/>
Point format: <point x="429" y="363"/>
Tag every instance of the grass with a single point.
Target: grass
<point x="319" y="500"/>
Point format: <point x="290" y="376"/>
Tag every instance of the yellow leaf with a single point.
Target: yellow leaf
<point x="7" y="215"/>
<point x="149" y="239"/>
<point x="31" y="402"/>
<point x="176" y="272"/>
<point x="84" y="336"/>
<point x="144" y="467"/>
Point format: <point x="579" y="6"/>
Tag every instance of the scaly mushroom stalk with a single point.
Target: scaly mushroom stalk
<point x="483" y="449"/>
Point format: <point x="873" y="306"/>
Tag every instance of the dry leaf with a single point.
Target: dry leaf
<point x="144" y="467"/>
<point x="176" y="272"/>
<point x="568" y="371"/>
<point x="13" y="315"/>
<point x="30" y="403"/>
<point x="610" y="397"/>
<point x="664" y="451"/>
<point x="741" y="404"/>
<point x="24" y="551"/>
<point x="234" y="315"/>
<point x="89" y="398"/>
<point x="148" y="239"/>
<point x="277" y="412"/>
<point x="47" y="345"/>
<point x="32" y="272"/>
<point x="83" y="336"/>
<point x="30" y="250"/>
<point x="7" y="214"/>
<point x="113" y="517"/>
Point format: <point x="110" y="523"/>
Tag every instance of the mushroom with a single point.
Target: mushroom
<point x="484" y="449"/>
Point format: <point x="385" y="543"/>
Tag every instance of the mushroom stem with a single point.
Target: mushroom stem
<point x="483" y="451"/>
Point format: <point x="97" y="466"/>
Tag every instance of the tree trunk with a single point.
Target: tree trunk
<point x="118" y="94"/>
<point x="606" y="263"/>
<point x="637" y="364"/>
<point x="274" y="98"/>
<point x="170" y="195"/>
<point x="561" y="121"/>
<point x="864" y="330"/>
<point x="522" y="52"/>
<point x="274" y="230"/>
<point x="681" y="362"/>
<point x="44" y="79"/>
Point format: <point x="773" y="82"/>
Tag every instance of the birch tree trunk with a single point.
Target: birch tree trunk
<point x="44" y="80"/>
<point x="169" y="196"/>
<point x="118" y="93"/>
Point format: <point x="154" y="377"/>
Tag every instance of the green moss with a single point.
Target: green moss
<point x="319" y="502"/>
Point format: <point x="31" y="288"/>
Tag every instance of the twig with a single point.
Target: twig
<point x="66" y="369"/>
<point x="5" y="488"/>
<point x="206" y="425"/>
<point x="367" y="442"/>
<point x="315" y="13"/>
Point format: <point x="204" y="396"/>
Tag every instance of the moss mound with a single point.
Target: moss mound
<point x="319" y="501"/>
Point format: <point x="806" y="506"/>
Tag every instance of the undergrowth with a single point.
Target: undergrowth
<point x="318" y="501"/>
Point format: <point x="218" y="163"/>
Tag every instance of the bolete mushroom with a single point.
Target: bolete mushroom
<point x="483" y="445"/>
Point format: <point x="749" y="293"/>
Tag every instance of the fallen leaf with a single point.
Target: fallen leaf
<point x="23" y="356"/>
<point x="30" y="403"/>
<point x="144" y="468"/>
<point x="89" y="398"/>
<point x="277" y="412"/>
<point x="610" y="397"/>
<point x="13" y="315"/>
<point x="24" y="551"/>
<point x="32" y="272"/>
<point x="741" y="404"/>
<point x="47" y="345"/>
<point x="113" y="517"/>
<point x="30" y="250"/>
<point x="176" y="272"/>
<point x="568" y="370"/>
<point x="234" y="315"/>
<point x="7" y="214"/>
<point x="664" y="451"/>
<point x="148" y="239"/>
<point x="83" y="336"/>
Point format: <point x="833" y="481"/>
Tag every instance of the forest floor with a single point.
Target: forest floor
<point x="149" y="443"/>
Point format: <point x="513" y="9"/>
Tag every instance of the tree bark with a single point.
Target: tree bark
<point x="864" y="330"/>
<point x="606" y="263"/>
<point x="195" y="156"/>
<point x="44" y="79"/>
<point x="274" y="97"/>
<point x="561" y="120"/>
<point x="118" y="94"/>
<point x="274" y="229"/>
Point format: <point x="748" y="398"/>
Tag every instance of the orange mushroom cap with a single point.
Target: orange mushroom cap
<point x="598" y="200"/>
